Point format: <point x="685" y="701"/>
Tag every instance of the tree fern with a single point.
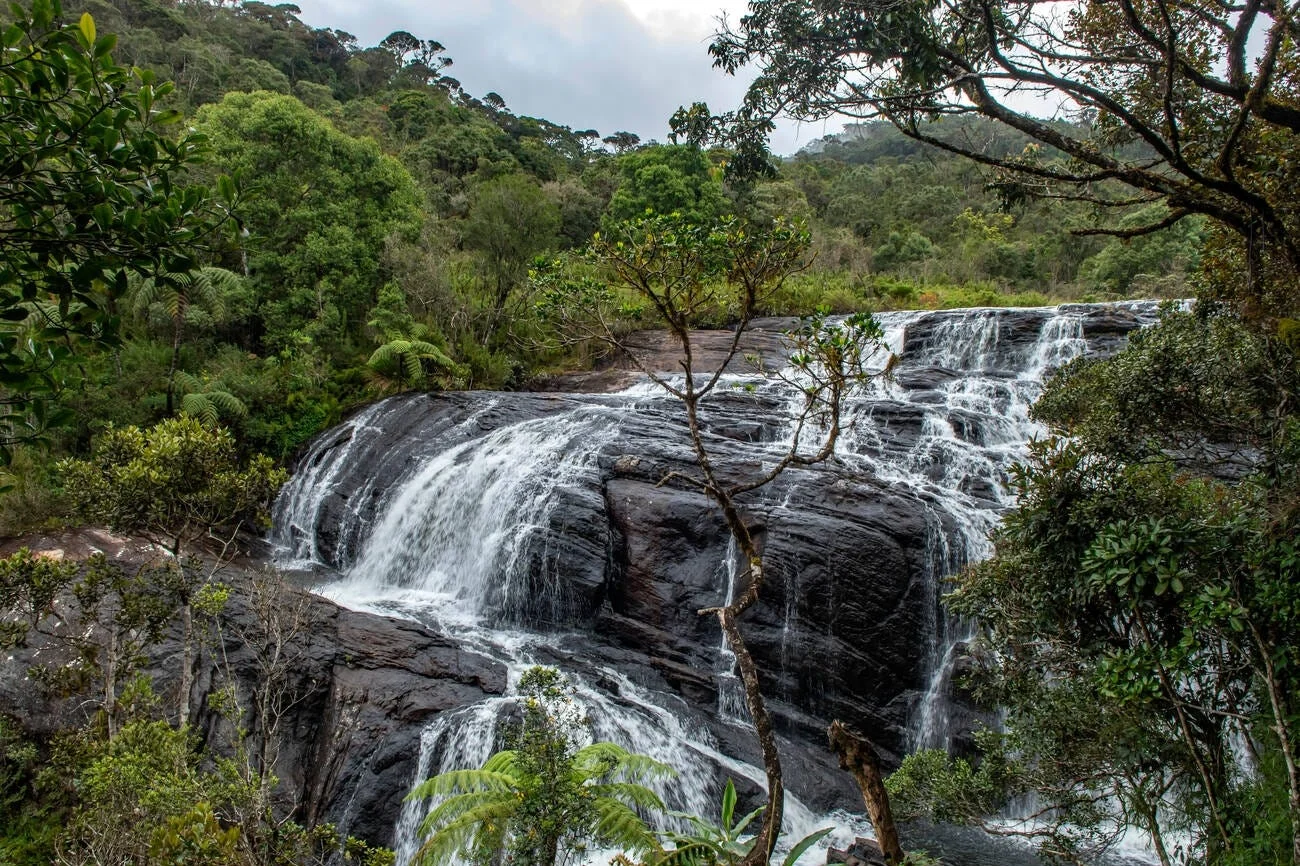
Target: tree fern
<point x="545" y="797"/>
<point x="176" y="295"/>
<point x="207" y="401"/>
<point x="402" y="362"/>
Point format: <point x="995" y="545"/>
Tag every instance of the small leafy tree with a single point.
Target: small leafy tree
<point x="151" y="796"/>
<point x="684" y="273"/>
<point x="175" y="484"/>
<point x="98" y="618"/>
<point x="510" y="220"/>
<point x="545" y="796"/>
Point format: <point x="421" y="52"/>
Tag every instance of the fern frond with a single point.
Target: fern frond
<point x="463" y="782"/>
<point x="454" y="809"/>
<point x="610" y="760"/>
<point x="229" y="405"/>
<point x="629" y="792"/>
<point x="200" y="407"/>
<point x="411" y="368"/>
<point x="144" y="294"/>
<point x="486" y="823"/>
<point x="385" y="354"/>
<point x="693" y="853"/>
<point x="188" y="382"/>
<point x="617" y="824"/>
<point x="505" y="761"/>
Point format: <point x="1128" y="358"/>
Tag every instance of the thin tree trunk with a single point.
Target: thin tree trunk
<point x="1194" y="750"/>
<point x="187" y="662"/>
<point x="859" y="757"/>
<point x="765" y="844"/>
<point x="110" y="684"/>
<point x="171" y="370"/>
<point x="1282" y="728"/>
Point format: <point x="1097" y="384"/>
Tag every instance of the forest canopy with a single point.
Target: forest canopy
<point x="343" y="196"/>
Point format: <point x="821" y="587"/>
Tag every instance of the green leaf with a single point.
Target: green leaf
<point x="87" y="28"/>
<point x="803" y="845"/>
<point x="728" y="803"/>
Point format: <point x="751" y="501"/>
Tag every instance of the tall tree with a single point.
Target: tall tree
<point x="324" y="204"/>
<point x="510" y="221"/>
<point x="667" y="179"/>
<point x="1206" y="89"/>
<point x="685" y="272"/>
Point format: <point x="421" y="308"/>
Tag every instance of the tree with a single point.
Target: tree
<point x="622" y="142"/>
<point x="544" y="797"/>
<point x="176" y="484"/>
<point x="97" y="618"/>
<point x="510" y="221"/>
<point x="324" y="204"/>
<point x="684" y="272"/>
<point x="1204" y="91"/>
<point x="91" y="192"/>
<point x="667" y="179"/>
<point x="204" y="289"/>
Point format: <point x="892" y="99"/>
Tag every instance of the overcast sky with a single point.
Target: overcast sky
<point x="605" y="64"/>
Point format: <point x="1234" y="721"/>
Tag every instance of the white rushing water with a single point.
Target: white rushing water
<point x="460" y="538"/>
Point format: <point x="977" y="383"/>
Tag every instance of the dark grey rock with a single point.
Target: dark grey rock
<point x="355" y="695"/>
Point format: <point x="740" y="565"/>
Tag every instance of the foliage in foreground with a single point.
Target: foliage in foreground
<point x="724" y="843"/>
<point x="545" y="798"/>
<point x="92" y="191"/>
<point x="127" y="786"/>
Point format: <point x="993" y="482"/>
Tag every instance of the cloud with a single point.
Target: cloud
<point x="605" y="64"/>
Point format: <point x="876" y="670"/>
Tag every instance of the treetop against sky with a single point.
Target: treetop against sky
<point x="609" y="64"/>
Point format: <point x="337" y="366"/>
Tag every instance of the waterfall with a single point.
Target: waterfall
<point x="467" y="535"/>
<point x="470" y="525"/>
<point x="731" y="692"/>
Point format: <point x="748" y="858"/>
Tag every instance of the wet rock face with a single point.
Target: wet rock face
<point x="837" y="631"/>
<point x="633" y="559"/>
<point x="627" y="552"/>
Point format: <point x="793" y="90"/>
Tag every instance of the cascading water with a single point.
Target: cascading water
<point x="473" y="527"/>
<point x="448" y="547"/>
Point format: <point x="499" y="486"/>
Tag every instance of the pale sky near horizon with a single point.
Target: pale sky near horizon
<point x="605" y="64"/>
